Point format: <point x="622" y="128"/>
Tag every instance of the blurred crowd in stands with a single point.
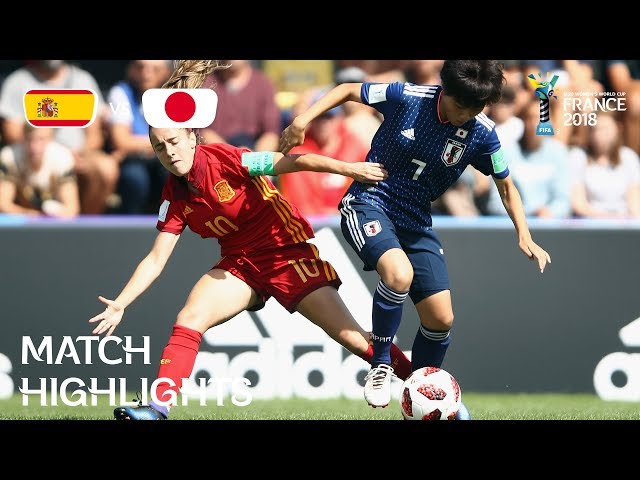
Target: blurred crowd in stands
<point x="589" y="171"/>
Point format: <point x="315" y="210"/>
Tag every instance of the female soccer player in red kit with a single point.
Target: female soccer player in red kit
<point x="224" y="192"/>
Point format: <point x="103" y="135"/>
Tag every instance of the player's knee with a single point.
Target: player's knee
<point x="399" y="279"/>
<point x="445" y="321"/>
<point x="395" y="270"/>
<point x="188" y="317"/>
<point x="354" y="342"/>
<point x="441" y="322"/>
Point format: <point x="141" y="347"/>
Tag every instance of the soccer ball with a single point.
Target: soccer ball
<point x="430" y="393"/>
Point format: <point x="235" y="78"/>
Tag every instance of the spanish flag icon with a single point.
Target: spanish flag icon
<point x="64" y="108"/>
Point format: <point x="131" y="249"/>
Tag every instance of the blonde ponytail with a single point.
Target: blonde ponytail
<point x="192" y="73"/>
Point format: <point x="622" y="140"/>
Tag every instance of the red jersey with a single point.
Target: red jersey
<point x="246" y="214"/>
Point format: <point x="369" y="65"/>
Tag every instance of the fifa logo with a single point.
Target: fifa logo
<point x="544" y="91"/>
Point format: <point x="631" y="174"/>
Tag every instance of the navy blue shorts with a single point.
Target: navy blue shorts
<point x="371" y="233"/>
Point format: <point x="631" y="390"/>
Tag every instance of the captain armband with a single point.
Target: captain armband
<point x="498" y="161"/>
<point x="258" y="163"/>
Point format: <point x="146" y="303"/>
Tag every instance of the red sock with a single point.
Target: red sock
<point x="399" y="361"/>
<point x="178" y="359"/>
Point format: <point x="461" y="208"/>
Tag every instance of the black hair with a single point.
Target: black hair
<point x="473" y="83"/>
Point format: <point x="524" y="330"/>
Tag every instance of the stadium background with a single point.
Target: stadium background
<point x="515" y="331"/>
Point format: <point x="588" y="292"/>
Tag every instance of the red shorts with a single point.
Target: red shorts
<point x="287" y="274"/>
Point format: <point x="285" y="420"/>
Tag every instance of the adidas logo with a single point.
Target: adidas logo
<point x="630" y="334"/>
<point x="620" y="362"/>
<point x="408" y="133"/>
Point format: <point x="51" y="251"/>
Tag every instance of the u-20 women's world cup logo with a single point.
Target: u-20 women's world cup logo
<point x="544" y="91"/>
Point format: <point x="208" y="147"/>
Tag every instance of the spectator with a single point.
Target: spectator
<point x="509" y="127"/>
<point x="319" y="193"/>
<point x="539" y="165"/>
<point x="515" y="79"/>
<point x="624" y="76"/>
<point x="37" y="177"/>
<point x="383" y="71"/>
<point x="606" y="178"/>
<point x="459" y="200"/>
<point x="583" y="79"/>
<point x="361" y="120"/>
<point x="97" y="172"/>
<point x="247" y="115"/>
<point x="141" y="176"/>
<point x="424" y="72"/>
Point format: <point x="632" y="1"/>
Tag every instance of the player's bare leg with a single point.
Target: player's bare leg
<point x="325" y="308"/>
<point x="217" y="297"/>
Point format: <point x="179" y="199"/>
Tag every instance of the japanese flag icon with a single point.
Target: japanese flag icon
<point x="179" y="107"/>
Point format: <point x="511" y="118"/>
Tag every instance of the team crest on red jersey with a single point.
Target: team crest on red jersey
<point x="224" y="191"/>
<point x="452" y="153"/>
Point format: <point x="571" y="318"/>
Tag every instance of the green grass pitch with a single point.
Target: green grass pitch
<point x="482" y="407"/>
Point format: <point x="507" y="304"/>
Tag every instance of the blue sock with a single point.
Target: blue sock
<point x="463" y="413"/>
<point x="429" y="348"/>
<point x="161" y="408"/>
<point x="386" y="317"/>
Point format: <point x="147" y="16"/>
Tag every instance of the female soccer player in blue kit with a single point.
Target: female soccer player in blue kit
<point x="429" y="135"/>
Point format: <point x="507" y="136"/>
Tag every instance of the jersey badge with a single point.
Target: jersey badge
<point x="452" y="153"/>
<point x="224" y="191"/>
<point x="372" y="228"/>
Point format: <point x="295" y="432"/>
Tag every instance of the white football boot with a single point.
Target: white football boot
<point x="377" y="387"/>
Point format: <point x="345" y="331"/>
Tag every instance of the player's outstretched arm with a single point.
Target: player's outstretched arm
<point x="293" y="135"/>
<point x="513" y="205"/>
<point x="147" y="271"/>
<point x="275" y="163"/>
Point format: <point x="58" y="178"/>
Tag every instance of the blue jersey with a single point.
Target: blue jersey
<point x="423" y="155"/>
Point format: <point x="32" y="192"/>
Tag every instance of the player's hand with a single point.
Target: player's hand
<point x="368" y="172"/>
<point x="109" y="319"/>
<point x="535" y="252"/>
<point x="292" y="136"/>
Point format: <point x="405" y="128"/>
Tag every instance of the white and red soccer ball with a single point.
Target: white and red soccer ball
<point x="430" y="393"/>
